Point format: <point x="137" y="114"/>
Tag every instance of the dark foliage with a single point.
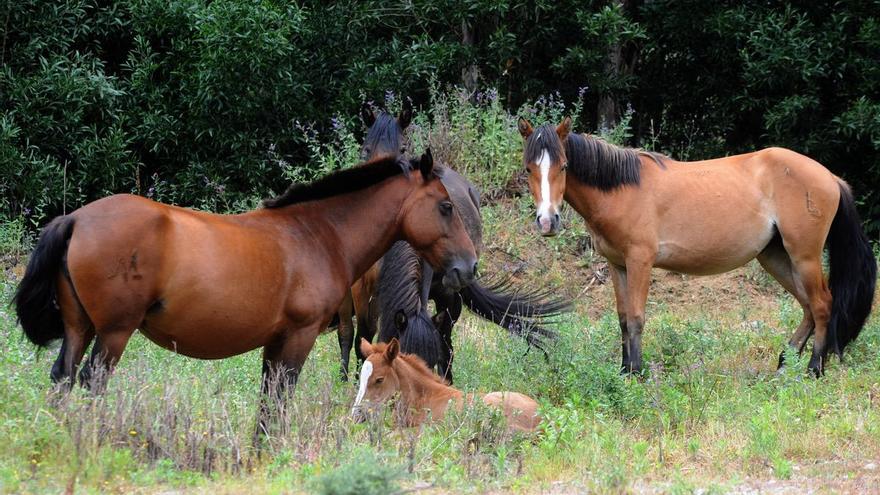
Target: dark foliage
<point x="198" y="102"/>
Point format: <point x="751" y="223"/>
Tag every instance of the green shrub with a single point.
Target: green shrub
<point x="365" y="474"/>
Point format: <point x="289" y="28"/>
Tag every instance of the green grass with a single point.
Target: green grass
<point x="711" y="413"/>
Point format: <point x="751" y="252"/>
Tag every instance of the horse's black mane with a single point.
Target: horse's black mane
<point x="401" y="288"/>
<point x="543" y="138"/>
<point x="591" y="160"/>
<point x="344" y="181"/>
<point x="386" y="132"/>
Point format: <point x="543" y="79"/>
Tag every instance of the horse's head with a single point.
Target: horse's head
<point x="432" y="226"/>
<point x="545" y="161"/>
<point x="385" y="133"/>
<point x="378" y="382"/>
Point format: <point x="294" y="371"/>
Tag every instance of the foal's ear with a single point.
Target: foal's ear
<point x="426" y="164"/>
<point x="564" y="128"/>
<point x="392" y="350"/>
<point x="366" y="347"/>
<point x="405" y="116"/>
<point x="367" y="114"/>
<point x="525" y="128"/>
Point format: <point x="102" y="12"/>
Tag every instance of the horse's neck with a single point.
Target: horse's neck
<point x="362" y="225"/>
<point x="419" y="393"/>
<point x="598" y="208"/>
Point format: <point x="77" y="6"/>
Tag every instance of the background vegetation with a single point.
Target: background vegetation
<point x="209" y="103"/>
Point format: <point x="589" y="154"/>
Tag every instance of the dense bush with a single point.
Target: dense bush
<point x="214" y="103"/>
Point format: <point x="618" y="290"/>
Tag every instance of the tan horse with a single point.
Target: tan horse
<point x="646" y="210"/>
<point x="213" y="286"/>
<point x="423" y="393"/>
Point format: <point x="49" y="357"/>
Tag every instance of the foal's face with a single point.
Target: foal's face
<point x="433" y="227"/>
<point x="378" y="381"/>
<point x="545" y="162"/>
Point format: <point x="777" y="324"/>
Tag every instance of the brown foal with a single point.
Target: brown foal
<point x="424" y="394"/>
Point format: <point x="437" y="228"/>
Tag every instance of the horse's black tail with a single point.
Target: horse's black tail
<point x="34" y="300"/>
<point x="853" y="274"/>
<point x="520" y="313"/>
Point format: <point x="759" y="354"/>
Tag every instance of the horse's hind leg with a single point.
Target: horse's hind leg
<point x="809" y="274"/>
<point x="777" y="263"/>
<point x="366" y="309"/>
<point x="57" y="373"/>
<point x="78" y="333"/>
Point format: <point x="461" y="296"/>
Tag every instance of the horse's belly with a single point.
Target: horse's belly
<point x="198" y="336"/>
<point x="709" y="259"/>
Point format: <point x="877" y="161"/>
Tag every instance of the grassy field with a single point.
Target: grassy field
<point x="711" y="415"/>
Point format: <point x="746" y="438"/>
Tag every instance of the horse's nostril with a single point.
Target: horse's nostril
<point x="556" y="216"/>
<point x="475" y="269"/>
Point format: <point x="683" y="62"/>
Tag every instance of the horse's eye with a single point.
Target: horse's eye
<point x="380" y="379"/>
<point x="564" y="165"/>
<point x="446" y="208"/>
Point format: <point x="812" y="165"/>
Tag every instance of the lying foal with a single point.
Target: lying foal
<point x="386" y="371"/>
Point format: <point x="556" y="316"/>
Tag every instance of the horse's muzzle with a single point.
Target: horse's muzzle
<point x="358" y="415"/>
<point x="548" y="225"/>
<point x="460" y="274"/>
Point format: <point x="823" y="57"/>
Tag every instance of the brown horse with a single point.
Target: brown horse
<point x="708" y="217"/>
<point x="423" y="393"/>
<point x="213" y="286"/>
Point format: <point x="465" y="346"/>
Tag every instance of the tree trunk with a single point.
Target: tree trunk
<point x="470" y="73"/>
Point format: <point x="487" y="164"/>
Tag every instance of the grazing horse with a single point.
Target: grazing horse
<point x="384" y="138"/>
<point x="399" y="286"/>
<point x="424" y="394"/>
<point x="709" y="217"/>
<point x="212" y="286"/>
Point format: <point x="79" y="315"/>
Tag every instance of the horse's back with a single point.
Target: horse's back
<point x="520" y="410"/>
<point x="206" y="285"/>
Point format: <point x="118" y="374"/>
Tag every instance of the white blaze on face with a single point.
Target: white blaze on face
<point x="366" y="372"/>
<point x="544" y="168"/>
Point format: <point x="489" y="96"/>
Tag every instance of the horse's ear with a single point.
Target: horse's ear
<point x="405" y="116"/>
<point x="392" y="350"/>
<point x="366" y="347"/>
<point x="564" y="128"/>
<point x="525" y="128"/>
<point x="367" y="114"/>
<point x="426" y="164"/>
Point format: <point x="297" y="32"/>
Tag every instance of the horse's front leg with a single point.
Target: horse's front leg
<point x="618" y="281"/>
<point x="448" y="312"/>
<point x="283" y="360"/>
<point x="638" y="280"/>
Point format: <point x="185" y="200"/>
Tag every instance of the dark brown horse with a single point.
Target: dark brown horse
<point x="399" y="286"/>
<point x="646" y="210"/>
<point x="384" y="138"/>
<point x="212" y="286"/>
